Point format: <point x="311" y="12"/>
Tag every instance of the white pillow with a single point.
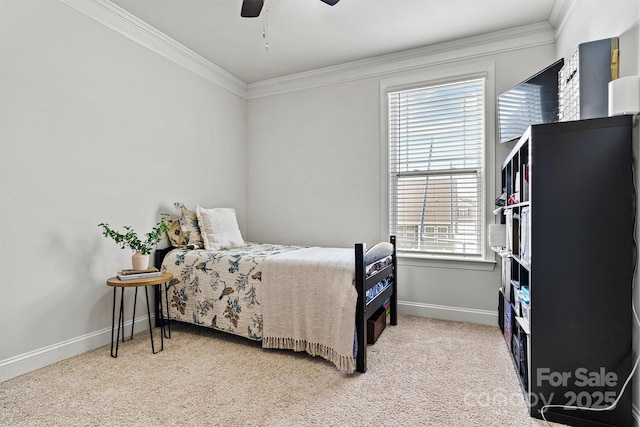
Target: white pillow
<point x="219" y="228"/>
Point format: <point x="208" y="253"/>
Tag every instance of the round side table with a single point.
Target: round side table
<point x="136" y="283"/>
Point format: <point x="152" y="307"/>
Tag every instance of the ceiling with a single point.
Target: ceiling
<point x="305" y="35"/>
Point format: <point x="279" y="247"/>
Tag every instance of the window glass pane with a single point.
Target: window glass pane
<point x="436" y="158"/>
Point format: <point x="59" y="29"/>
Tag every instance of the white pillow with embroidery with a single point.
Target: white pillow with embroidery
<point x="219" y="228"/>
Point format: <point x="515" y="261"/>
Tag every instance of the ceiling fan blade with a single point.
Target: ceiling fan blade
<point x="251" y="8"/>
<point x="331" y="2"/>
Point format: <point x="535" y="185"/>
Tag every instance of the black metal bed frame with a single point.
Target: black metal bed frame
<point x="364" y="309"/>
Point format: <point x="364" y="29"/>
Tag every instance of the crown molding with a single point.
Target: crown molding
<point x="560" y="13"/>
<point x="462" y="49"/>
<point x="128" y="25"/>
<point x="121" y="21"/>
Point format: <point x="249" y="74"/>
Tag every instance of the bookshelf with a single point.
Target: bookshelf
<point x="566" y="293"/>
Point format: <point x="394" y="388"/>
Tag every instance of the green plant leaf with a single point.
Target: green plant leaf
<point x="129" y="238"/>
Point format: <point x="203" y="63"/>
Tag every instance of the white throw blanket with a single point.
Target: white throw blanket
<point x="309" y="303"/>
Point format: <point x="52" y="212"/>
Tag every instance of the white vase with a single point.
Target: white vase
<point x="140" y="261"/>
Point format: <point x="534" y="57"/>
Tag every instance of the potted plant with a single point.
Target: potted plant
<point x="130" y="239"/>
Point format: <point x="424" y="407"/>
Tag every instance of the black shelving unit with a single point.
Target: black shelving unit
<point x="570" y="227"/>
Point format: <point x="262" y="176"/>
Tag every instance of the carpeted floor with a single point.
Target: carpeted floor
<point x="423" y="372"/>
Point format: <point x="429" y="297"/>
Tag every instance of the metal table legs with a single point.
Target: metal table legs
<point x="121" y="321"/>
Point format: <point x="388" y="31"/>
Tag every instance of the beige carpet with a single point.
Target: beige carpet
<point x="423" y="372"/>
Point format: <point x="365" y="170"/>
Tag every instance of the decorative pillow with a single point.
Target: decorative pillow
<point x="189" y="224"/>
<point x="219" y="228"/>
<point x="177" y="237"/>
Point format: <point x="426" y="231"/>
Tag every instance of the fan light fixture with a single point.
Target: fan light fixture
<point x="252" y="8"/>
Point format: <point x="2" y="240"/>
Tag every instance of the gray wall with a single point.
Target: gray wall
<point x="314" y="154"/>
<point x="315" y="173"/>
<point x="93" y="128"/>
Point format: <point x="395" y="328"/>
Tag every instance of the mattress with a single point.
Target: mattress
<point x="219" y="289"/>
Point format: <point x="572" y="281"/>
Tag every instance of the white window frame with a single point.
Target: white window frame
<point x="434" y="76"/>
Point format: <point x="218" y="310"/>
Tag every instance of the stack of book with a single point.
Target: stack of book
<point x="139" y="274"/>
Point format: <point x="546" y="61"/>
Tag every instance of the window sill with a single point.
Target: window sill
<point x="419" y="260"/>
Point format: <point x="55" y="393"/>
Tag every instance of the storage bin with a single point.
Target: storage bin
<point x="376" y="324"/>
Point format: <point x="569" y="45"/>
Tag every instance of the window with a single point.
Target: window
<point x="436" y="136"/>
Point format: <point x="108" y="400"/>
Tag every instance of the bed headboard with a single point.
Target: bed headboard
<point x="159" y="255"/>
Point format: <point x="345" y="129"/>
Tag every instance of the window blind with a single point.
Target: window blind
<point x="436" y="159"/>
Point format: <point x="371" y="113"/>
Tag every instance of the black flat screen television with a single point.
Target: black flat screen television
<point x="531" y="102"/>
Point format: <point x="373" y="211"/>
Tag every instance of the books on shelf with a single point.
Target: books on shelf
<point x="131" y="274"/>
<point x="525" y="243"/>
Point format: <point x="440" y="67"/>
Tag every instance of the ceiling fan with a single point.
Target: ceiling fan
<point x="252" y="8"/>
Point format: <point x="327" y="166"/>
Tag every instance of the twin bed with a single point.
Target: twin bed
<point x="316" y="300"/>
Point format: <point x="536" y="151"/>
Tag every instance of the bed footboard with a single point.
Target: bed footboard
<point x="365" y="309"/>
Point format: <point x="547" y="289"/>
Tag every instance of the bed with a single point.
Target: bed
<point x="309" y="299"/>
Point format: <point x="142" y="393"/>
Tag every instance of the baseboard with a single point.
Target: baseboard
<point x="461" y="314"/>
<point x="27" y="362"/>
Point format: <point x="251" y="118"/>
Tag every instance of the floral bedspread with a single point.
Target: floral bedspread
<point x="219" y="289"/>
